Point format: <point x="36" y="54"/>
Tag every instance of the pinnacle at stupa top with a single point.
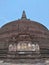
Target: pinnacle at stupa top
<point x="23" y="15"/>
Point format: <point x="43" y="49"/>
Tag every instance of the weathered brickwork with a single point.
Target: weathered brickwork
<point x="24" y="30"/>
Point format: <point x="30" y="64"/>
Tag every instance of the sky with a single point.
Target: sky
<point x="36" y="10"/>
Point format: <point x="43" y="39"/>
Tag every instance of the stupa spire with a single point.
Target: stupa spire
<point x="23" y="15"/>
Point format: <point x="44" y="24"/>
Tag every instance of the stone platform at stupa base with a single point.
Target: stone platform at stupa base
<point x="31" y="61"/>
<point x="35" y="62"/>
<point x="12" y="63"/>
